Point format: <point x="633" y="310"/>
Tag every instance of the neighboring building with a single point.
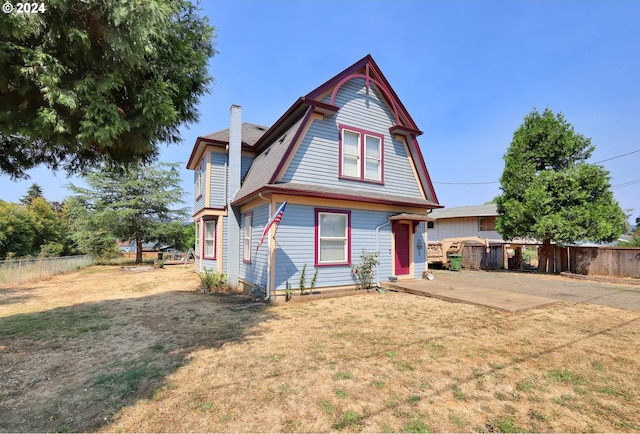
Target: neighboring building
<point x="464" y="221"/>
<point x="345" y="158"/>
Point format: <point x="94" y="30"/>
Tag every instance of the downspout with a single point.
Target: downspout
<point x="268" y="286"/>
<point x="426" y="243"/>
<point x="378" y="249"/>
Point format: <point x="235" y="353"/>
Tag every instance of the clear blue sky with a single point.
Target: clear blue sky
<point x="467" y="71"/>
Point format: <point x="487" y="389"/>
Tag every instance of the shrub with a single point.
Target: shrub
<point x="363" y="272"/>
<point x="211" y="281"/>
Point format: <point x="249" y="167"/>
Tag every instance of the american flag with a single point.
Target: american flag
<point x="275" y="219"/>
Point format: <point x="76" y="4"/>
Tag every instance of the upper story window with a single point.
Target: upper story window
<point x="199" y="177"/>
<point x="361" y="155"/>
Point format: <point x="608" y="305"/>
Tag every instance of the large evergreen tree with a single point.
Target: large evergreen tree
<point x="98" y="80"/>
<point x="549" y="191"/>
<point x="136" y="203"/>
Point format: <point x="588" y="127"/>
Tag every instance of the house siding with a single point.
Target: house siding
<point x="217" y="185"/>
<point x="316" y="160"/>
<point x="459" y="227"/>
<point x="245" y="165"/>
<point x="296" y="241"/>
<point x="256" y="271"/>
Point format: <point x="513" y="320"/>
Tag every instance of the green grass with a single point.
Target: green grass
<point x="128" y="380"/>
<point x="348" y="421"/>
<point x="415" y="425"/>
<point x="457" y="420"/>
<point x="341" y="393"/>
<point x="59" y="323"/>
<point x="342" y="375"/>
<point x="565" y="376"/>
<point x="506" y="425"/>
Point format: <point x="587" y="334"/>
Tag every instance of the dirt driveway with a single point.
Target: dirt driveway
<point x="617" y="294"/>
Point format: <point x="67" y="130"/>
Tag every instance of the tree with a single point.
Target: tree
<point x="35" y="191"/>
<point x="134" y="203"/>
<point x="86" y="82"/>
<point x="549" y="191"/>
<point x="17" y="234"/>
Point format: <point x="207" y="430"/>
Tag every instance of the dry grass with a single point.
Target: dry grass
<point x="106" y="350"/>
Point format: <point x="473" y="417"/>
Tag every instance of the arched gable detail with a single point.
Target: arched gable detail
<point x="368" y="79"/>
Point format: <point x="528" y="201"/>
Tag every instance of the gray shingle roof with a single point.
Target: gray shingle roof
<point x="267" y="162"/>
<point x="250" y="134"/>
<point x="489" y="209"/>
<point x="356" y="195"/>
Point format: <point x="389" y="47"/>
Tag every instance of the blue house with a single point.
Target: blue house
<point x="346" y="160"/>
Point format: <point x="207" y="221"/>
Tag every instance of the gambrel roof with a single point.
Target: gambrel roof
<point x="275" y="146"/>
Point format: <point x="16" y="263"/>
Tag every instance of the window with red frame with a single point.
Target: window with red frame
<point x="361" y="155"/>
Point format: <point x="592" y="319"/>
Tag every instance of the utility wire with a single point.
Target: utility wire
<point x="498" y="182"/>
<point x="626" y="184"/>
<point x="617" y="156"/>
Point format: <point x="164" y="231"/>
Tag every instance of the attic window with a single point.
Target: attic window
<point x="361" y="155"/>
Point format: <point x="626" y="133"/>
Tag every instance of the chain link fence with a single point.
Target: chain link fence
<point x="27" y="270"/>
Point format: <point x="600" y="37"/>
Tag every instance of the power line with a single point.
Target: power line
<point x="626" y="184"/>
<point x="466" y="183"/>
<point x="617" y="156"/>
<point x="498" y="182"/>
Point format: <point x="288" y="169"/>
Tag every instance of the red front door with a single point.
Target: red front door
<point x="401" y="238"/>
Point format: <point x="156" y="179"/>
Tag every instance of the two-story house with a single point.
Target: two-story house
<point x="346" y="160"/>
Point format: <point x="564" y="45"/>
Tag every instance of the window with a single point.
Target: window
<point x="486" y="223"/>
<point x="210" y="239"/>
<point x="198" y="235"/>
<point x="430" y="225"/>
<point x="361" y="155"/>
<point x="198" y="178"/>
<point x="246" y="238"/>
<point x="333" y="233"/>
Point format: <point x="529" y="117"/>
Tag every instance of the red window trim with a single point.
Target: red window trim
<point x="215" y="237"/>
<point x="250" y="215"/>
<point x="316" y="241"/>
<point x="341" y="128"/>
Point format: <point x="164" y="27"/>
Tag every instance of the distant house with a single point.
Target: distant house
<point x="464" y="221"/>
<point x="346" y="160"/>
<point x="478" y="221"/>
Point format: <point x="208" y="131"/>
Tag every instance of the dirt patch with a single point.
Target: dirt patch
<point x="106" y="350"/>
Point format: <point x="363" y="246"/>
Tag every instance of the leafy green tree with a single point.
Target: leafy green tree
<point x="17" y="233"/>
<point x="99" y="80"/>
<point x="134" y="203"/>
<point x="549" y="191"/>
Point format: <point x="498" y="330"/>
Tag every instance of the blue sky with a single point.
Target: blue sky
<point x="467" y="72"/>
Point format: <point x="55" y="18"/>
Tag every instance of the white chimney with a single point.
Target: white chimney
<point x="233" y="185"/>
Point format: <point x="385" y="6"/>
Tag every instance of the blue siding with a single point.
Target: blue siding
<point x="296" y="247"/>
<point x="256" y="271"/>
<point x="245" y="164"/>
<point x="218" y="179"/>
<point x="317" y="158"/>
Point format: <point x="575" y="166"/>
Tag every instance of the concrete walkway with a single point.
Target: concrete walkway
<point x="489" y="297"/>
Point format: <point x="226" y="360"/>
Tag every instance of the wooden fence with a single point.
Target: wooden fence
<point x="602" y="261"/>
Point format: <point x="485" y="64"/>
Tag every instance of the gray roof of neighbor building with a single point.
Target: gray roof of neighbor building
<point x="486" y="210"/>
